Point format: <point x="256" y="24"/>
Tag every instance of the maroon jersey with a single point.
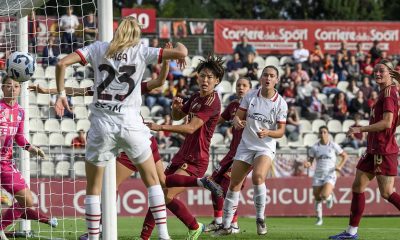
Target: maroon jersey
<point x="196" y="145"/>
<point x="384" y="142"/>
<point x="228" y="114"/>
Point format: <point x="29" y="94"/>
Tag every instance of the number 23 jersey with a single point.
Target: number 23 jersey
<point x="117" y="94"/>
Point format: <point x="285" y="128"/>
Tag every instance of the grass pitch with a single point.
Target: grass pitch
<point x="372" y="228"/>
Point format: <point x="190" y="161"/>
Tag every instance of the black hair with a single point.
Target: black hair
<point x="323" y="127"/>
<point x="6" y="78"/>
<point x="213" y="63"/>
<point x="273" y="67"/>
<point x="248" y="79"/>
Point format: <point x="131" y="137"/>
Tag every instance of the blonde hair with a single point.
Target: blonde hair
<point x="126" y="35"/>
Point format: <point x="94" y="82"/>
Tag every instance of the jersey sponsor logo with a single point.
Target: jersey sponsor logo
<point x="260" y="117"/>
<point x="110" y="107"/>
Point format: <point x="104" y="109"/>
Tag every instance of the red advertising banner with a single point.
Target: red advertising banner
<point x="285" y="197"/>
<point x="280" y="37"/>
<point x="146" y="17"/>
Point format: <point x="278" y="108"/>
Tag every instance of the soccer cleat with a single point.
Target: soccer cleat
<point x="235" y="230"/>
<point x="344" y="235"/>
<point x="261" y="226"/>
<point x="329" y="201"/>
<point x="209" y="184"/>
<point x="84" y="236"/>
<point x="212" y="227"/>
<point x="222" y="231"/>
<point x="194" y="234"/>
<point x="53" y="222"/>
<point x="319" y="222"/>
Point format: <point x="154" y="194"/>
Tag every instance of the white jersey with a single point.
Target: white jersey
<point x="117" y="81"/>
<point x="262" y="113"/>
<point x="325" y="156"/>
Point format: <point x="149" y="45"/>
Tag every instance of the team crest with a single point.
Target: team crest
<point x="196" y="107"/>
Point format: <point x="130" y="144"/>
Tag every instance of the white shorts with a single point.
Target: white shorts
<point x="246" y="155"/>
<point x="321" y="179"/>
<point x="104" y="139"/>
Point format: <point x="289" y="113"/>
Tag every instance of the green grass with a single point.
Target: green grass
<point x="372" y="228"/>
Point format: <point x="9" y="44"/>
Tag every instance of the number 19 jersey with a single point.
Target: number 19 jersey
<point x="117" y="93"/>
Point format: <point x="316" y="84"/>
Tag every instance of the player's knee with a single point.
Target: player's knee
<point x="257" y="179"/>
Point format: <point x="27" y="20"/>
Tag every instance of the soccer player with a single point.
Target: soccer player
<point x="324" y="151"/>
<point x="262" y="113"/>
<point x="192" y="158"/>
<point x="12" y="128"/>
<point x="222" y="174"/>
<point x="380" y="158"/>
<point x="115" y="114"/>
<point x="124" y="166"/>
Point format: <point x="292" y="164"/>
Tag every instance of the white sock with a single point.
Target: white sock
<point x="352" y="230"/>
<point x="318" y="209"/>
<point x="157" y="208"/>
<point x="218" y="220"/>
<point x="259" y="198"/>
<point x="230" y="205"/>
<point x="199" y="183"/>
<point x="93" y="216"/>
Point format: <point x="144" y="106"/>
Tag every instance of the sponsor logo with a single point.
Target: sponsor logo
<point x="110" y="107"/>
<point x="260" y="117"/>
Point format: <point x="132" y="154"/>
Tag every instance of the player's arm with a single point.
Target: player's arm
<point x="343" y="159"/>
<point x="239" y="121"/>
<point x="278" y="133"/>
<point x="309" y="162"/>
<point x="23" y="142"/>
<point x="189" y="128"/>
<point x="69" y="91"/>
<point x="382" y="125"/>
<point x="221" y="120"/>
<point x="177" y="113"/>
<point x="158" y="82"/>
<point x="178" y="52"/>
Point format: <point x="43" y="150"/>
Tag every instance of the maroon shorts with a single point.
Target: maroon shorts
<point x="375" y="164"/>
<point x="124" y="159"/>
<point x="224" y="166"/>
<point x="11" y="178"/>
<point x="196" y="168"/>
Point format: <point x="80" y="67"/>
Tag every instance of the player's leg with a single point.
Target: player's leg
<point x="177" y="180"/>
<point x="261" y="167"/>
<point x="318" y="203"/>
<point x="326" y="193"/>
<point x="160" y="172"/>
<point x="386" y="189"/>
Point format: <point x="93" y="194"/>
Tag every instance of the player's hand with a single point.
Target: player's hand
<point x="169" y="45"/>
<point x="353" y="130"/>
<point x="307" y="164"/>
<point x="263" y="133"/>
<point x="395" y="74"/>
<point x="36" y="151"/>
<point x="181" y="63"/>
<point x="153" y="126"/>
<point x="37" y="88"/>
<point x="177" y="103"/>
<point x="238" y="123"/>
<point x="61" y="105"/>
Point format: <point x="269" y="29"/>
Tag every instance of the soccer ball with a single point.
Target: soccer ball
<point x="20" y="66"/>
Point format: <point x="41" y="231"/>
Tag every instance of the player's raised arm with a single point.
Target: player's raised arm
<point x="178" y="52"/>
<point x="177" y="113"/>
<point x="69" y="91"/>
<point x="160" y="80"/>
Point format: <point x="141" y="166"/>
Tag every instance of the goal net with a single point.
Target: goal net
<point x="50" y="30"/>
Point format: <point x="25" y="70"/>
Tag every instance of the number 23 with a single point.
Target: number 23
<point x="127" y="70"/>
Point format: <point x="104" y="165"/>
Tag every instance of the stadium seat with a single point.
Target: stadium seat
<point x="68" y="138"/>
<point x="217" y="139"/>
<point x="286" y="60"/>
<point x="364" y="122"/>
<point x="32" y="98"/>
<point x="145" y="111"/>
<point x="316" y="84"/>
<point x="155" y="110"/>
<point x="34" y="111"/>
<point x="88" y="99"/>
<point x="225" y="100"/>
<point x="310" y="139"/>
<point x="79" y="169"/>
<point x="83" y="124"/>
<point x="81" y="112"/>
<point x="62" y="55"/>
<point x="347" y="124"/>
<point x="196" y="61"/>
<point x="52" y="125"/>
<point x="340" y="138"/>
<point x="36" y="125"/>
<point x="41" y="82"/>
<point x="85" y="83"/>
<point x="323" y="98"/>
<point x="33" y="168"/>
<point x="47" y="169"/>
<point x="72" y="83"/>
<point x="40" y="139"/>
<point x="52" y="84"/>
<point x="146" y="74"/>
<point x="283" y="141"/>
<point x="62" y="168"/>
<point x="56" y="139"/>
<point x="43" y="99"/>
<point x="254" y="83"/>
<point x="178" y="122"/>
<point x="187" y="71"/>
<point x="260" y="61"/>
<point x="316" y="124"/>
<point x="225" y="86"/>
<point x="334" y="126"/>
<point x="305" y="126"/>
<point x="272" y="60"/>
<point x="68" y="125"/>
<point x="47" y="112"/>
<point x="342" y="85"/>
<point x="69" y="72"/>
<point x="78" y="101"/>
<point x="39" y="72"/>
<point x="188" y="61"/>
<point x="50" y="72"/>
